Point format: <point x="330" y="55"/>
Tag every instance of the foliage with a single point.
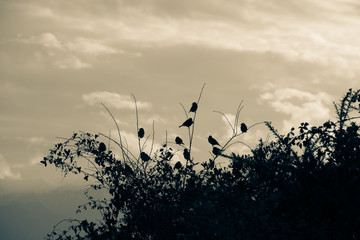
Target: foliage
<point x="302" y="185"/>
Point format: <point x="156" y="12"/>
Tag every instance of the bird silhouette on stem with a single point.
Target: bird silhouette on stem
<point x="179" y="141"/>
<point x="194" y="107"/>
<point x="186" y="154"/>
<point x="243" y="128"/>
<point x="102" y="147"/>
<point x="216" y="151"/>
<point x="144" y="157"/>
<point x="213" y="141"/>
<point x="141" y="133"/>
<point x="187" y="123"/>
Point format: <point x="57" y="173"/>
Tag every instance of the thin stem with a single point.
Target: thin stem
<point x="193" y="126"/>
<point x="118" y="130"/>
<point x="228" y="143"/>
<point x="227" y="119"/>
<point x="137" y="122"/>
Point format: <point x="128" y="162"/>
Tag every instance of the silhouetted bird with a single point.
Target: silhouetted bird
<point x="186" y="154"/>
<point x="213" y="141"/>
<point x="102" y="147"/>
<point x="144" y="157"/>
<point x="187" y="123"/>
<point x="216" y="151"/>
<point x="179" y="141"/>
<point x="128" y="169"/>
<point x="178" y="165"/>
<point x="243" y="128"/>
<point x="194" y="107"/>
<point x="141" y="133"/>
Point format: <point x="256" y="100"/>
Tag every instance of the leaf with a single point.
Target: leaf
<point x="44" y="162"/>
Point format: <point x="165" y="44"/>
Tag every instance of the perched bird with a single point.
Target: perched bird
<point x="194" y="107"/>
<point x="144" y="157"/>
<point x="213" y="141"/>
<point x="186" y="154"/>
<point x="243" y="128"/>
<point x="178" y="165"/>
<point x="102" y="147"/>
<point x="216" y="151"/>
<point x="141" y="133"/>
<point x="187" y="123"/>
<point x="128" y="169"/>
<point x="179" y="141"/>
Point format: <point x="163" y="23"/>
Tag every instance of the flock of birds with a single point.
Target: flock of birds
<point x="188" y="123"/>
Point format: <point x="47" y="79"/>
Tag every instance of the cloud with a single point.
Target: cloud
<point x="299" y="105"/>
<point x="6" y="171"/>
<point x="36" y="160"/>
<point x="33" y="140"/>
<point x="69" y="54"/>
<point x="72" y="62"/>
<point x="154" y="118"/>
<point x="229" y="118"/>
<point x="113" y="100"/>
<point x="129" y="139"/>
<point x="47" y="40"/>
<point x="313" y="31"/>
<point x="80" y="45"/>
<point x="90" y="46"/>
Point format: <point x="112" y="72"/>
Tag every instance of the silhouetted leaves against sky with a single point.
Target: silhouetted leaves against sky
<point x="43" y="162"/>
<point x="187" y="123"/>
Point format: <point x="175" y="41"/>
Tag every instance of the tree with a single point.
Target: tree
<point x="302" y="185"/>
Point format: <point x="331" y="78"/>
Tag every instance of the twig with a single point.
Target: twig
<point x="118" y="130"/>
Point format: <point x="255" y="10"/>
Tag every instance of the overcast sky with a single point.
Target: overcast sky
<point x="286" y="59"/>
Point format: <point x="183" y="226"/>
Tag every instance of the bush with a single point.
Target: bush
<point x="302" y="185"/>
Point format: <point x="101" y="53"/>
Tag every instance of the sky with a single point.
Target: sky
<point x="286" y="60"/>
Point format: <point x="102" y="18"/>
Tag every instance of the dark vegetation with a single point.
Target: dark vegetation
<point x="302" y="185"/>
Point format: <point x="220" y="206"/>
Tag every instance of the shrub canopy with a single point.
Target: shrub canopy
<point x="302" y="185"/>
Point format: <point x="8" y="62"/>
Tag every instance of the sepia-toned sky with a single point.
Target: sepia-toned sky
<point x="287" y="60"/>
